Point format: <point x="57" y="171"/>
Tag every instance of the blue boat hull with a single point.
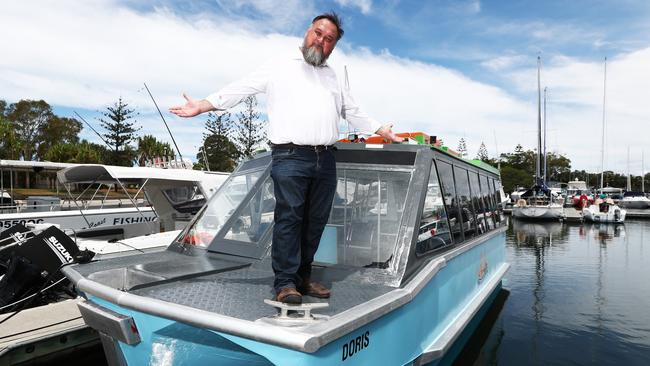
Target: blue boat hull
<point x="432" y="327"/>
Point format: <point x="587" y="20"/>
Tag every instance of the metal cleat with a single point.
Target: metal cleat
<point x="305" y="309"/>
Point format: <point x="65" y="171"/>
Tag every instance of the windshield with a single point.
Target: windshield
<point x="220" y="208"/>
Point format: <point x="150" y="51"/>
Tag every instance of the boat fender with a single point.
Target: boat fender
<point x="355" y="345"/>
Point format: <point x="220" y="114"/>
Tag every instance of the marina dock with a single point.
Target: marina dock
<point x="572" y="215"/>
<point x="37" y="334"/>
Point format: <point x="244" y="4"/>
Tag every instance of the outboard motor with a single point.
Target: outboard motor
<point x="8" y="239"/>
<point x="35" y="263"/>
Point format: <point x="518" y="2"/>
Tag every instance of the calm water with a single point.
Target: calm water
<point x="579" y="294"/>
<point x="576" y="294"/>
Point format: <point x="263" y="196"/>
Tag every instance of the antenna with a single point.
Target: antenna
<point x="602" y="146"/>
<point x="91" y="127"/>
<point x="539" y="122"/>
<point x="165" y="122"/>
<point x="496" y="148"/>
<point x="545" y="162"/>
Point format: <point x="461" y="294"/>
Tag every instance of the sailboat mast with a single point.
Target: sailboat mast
<point x="544" y="177"/>
<point x="602" y="142"/>
<point x="629" y="178"/>
<point x="642" y="173"/>
<point x="539" y="122"/>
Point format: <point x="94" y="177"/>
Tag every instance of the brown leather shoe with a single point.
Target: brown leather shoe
<point x="314" y="289"/>
<point x="289" y="295"/>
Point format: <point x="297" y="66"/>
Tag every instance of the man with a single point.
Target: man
<point x="305" y="103"/>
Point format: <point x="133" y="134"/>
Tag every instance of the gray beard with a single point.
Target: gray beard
<point x="313" y="55"/>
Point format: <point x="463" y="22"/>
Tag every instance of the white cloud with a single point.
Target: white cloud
<point x="504" y="62"/>
<point x="364" y="5"/>
<point x="86" y="54"/>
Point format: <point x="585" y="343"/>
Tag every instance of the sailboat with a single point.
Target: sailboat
<point x="633" y="199"/>
<point x="604" y="211"/>
<point x="537" y="203"/>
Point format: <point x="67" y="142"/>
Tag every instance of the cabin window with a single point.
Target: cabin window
<point x="222" y="206"/>
<point x="499" y="199"/>
<point x="434" y="229"/>
<point x="256" y="217"/>
<point x="449" y="194"/>
<point x="488" y="200"/>
<point x="365" y="218"/>
<point x="478" y="203"/>
<point x="465" y="202"/>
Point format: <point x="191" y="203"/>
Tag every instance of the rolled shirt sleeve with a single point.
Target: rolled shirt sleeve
<point x="235" y="92"/>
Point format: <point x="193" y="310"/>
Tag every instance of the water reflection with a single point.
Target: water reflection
<point x="538" y="234"/>
<point x="603" y="233"/>
<point x="579" y="296"/>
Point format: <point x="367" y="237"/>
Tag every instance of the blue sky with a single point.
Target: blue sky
<point x="451" y="68"/>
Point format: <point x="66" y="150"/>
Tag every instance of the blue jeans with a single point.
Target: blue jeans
<point x="304" y="183"/>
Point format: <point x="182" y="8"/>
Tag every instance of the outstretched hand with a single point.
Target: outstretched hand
<point x="386" y="132"/>
<point x="190" y="109"/>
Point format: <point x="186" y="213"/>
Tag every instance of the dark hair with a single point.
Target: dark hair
<point x="334" y="18"/>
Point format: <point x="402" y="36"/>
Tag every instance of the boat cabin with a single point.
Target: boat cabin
<point x="408" y="222"/>
<point x="395" y="207"/>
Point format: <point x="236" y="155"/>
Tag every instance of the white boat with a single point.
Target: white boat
<point x="533" y="209"/>
<point x="175" y="196"/>
<point x="604" y="213"/>
<point x="539" y="203"/>
<point x="516" y="194"/>
<point x="176" y="193"/>
<point x="634" y="200"/>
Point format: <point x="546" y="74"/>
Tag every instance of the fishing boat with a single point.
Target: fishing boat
<point x="425" y="266"/>
<point x="175" y="194"/>
<point x="39" y="318"/>
<point x="538" y="203"/>
<point x="75" y="213"/>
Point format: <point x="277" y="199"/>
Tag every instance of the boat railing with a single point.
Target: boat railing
<point x="20" y="206"/>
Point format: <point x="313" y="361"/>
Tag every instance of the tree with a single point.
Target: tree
<point x="462" y="147"/>
<point x="558" y="167"/>
<point x="219" y="124"/>
<point x="218" y="149"/>
<point x="149" y="148"/>
<point x="28" y="118"/>
<point x="482" y="153"/>
<point x="79" y="153"/>
<point x="9" y="147"/>
<point x="221" y="154"/>
<point x="58" y="130"/>
<point x="512" y="178"/>
<point x="121" y="132"/>
<point x="249" y="132"/>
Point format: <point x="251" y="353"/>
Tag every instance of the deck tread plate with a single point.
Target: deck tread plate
<point x="241" y="293"/>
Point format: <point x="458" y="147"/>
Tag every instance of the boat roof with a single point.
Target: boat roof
<point x="32" y="165"/>
<point x="633" y="194"/>
<point x="97" y="173"/>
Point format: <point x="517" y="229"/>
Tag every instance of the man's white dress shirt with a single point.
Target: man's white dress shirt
<point x="304" y="102"/>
